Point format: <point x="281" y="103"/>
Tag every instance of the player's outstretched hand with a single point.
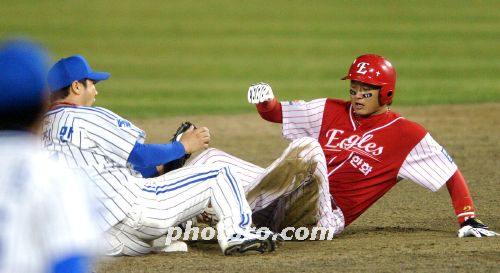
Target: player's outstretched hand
<point x="195" y="139"/>
<point x="475" y="228"/>
<point x="260" y="92"/>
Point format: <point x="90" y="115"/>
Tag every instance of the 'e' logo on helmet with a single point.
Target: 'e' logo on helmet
<point x="362" y="67"/>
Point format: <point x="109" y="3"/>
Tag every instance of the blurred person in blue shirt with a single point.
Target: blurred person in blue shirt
<point x="47" y="213"/>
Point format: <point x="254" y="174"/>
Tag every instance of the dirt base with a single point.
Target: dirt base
<point x="410" y="229"/>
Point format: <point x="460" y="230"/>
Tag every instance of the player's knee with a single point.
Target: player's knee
<point x="310" y="142"/>
<point x="311" y="148"/>
<point x="310" y="145"/>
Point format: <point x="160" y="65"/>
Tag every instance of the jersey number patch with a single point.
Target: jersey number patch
<point x="65" y="134"/>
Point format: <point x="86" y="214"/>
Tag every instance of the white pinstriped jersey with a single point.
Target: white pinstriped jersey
<point x="139" y="210"/>
<point x="46" y="213"/>
<point x="98" y="141"/>
<point x="367" y="156"/>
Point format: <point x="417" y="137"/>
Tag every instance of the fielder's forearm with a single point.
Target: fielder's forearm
<point x="152" y="155"/>
<point x="270" y="111"/>
<point x="460" y="197"/>
<point x="147" y="172"/>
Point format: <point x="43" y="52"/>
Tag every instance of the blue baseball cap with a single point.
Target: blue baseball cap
<point x="73" y="68"/>
<point x="23" y="70"/>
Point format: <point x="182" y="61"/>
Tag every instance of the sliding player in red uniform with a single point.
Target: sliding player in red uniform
<point x="368" y="147"/>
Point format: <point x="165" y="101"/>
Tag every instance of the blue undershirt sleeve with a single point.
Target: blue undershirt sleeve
<point x="147" y="172"/>
<point x="152" y="155"/>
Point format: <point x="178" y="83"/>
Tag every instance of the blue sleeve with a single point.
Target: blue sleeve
<point x="73" y="264"/>
<point x="147" y="172"/>
<point x="152" y="155"/>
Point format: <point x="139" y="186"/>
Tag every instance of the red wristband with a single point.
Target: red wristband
<point x="460" y="197"/>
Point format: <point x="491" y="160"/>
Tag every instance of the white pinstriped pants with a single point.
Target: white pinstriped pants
<point x="301" y="161"/>
<point x="171" y="199"/>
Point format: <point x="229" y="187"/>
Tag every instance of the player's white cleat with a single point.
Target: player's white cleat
<point x="247" y="241"/>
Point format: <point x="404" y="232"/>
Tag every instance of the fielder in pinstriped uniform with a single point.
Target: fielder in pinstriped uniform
<point x="142" y="204"/>
<point x="369" y="148"/>
<point x="48" y="217"/>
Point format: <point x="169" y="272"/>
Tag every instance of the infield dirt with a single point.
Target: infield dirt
<point x="409" y="230"/>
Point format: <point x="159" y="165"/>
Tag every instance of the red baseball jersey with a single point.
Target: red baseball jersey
<point x="367" y="156"/>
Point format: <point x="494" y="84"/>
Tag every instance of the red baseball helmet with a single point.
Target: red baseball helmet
<point x="375" y="70"/>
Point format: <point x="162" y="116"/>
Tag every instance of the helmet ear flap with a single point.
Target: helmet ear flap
<point x="388" y="101"/>
<point x="385" y="95"/>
